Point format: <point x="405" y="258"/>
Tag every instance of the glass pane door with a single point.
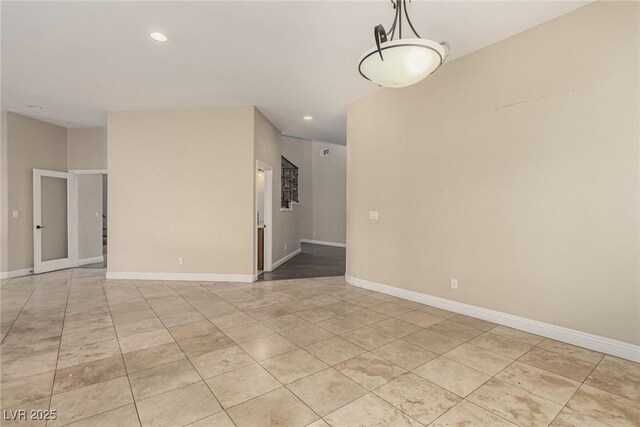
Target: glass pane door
<point x="53" y="246"/>
<point x="54" y="220"/>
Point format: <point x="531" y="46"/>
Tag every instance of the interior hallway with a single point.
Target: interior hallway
<point x="286" y="353"/>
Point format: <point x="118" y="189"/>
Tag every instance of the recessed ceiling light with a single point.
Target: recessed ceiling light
<point x="308" y="118"/>
<point x="159" y="37"/>
<point x="35" y="107"/>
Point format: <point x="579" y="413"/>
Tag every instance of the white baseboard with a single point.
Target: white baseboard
<point x="322" y="242"/>
<point x="188" y="277"/>
<point x="29" y="270"/>
<point x="285" y="258"/>
<point x="16" y="273"/>
<point x="85" y="261"/>
<point x="559" y="333"/>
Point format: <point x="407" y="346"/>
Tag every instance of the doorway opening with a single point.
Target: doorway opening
<point x="91" y="223"/>
<point x="70" y="219"/>
<point x="263" y="217"/>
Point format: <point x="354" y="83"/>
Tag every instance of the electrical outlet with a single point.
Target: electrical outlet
<point x="285" y="246"/>
<point x="180" y="260"/>
<point x="16" y="214"/>
<point x="454" y="284"/>
<point x="97" y="214"/>
<point x="314" y="234"/>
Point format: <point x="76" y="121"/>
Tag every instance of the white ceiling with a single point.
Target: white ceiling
<point x="290" y="58"/>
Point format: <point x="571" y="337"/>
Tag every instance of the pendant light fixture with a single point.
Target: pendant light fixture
<point x="401" y="62"/>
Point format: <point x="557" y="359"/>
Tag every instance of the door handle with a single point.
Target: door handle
<point x="40" y="226"/>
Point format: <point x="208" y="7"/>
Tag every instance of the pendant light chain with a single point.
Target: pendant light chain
<point x="392" y="31"/>
<point x="399" y="6"/>
<point x="400" y="18"/>
<point x="406" y="13"/>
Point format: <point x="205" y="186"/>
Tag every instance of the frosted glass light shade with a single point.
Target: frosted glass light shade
<point x="404" y="62"/>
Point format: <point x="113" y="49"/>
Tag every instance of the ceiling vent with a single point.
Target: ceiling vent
<point x="324" y="152"/>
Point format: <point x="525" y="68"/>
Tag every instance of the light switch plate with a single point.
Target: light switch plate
<point x="16" y="214"/>
<point x="373" y="215"/>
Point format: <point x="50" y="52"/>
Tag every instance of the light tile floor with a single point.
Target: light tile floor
<point x="285" y="353"/>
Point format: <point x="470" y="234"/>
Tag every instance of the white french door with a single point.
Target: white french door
<point x="54" y="242"/>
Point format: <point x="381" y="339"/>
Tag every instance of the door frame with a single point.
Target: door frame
<point x="40" y="266"/>
<point x="268" y="218"/>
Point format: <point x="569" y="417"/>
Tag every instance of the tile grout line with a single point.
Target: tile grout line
<point x="518" y="360"/>
<point x="437" y="385"/>
<point x="521" y="388"/>
<point x="365" y="351"/>
<point x="299" y="348"/>
<point x="106" y="297"/>
<point x="259" y="364"/>
<point x="440" y="355"/>
<point x="443" y="355"/>
<point x="22" y="308"/>
<point x="563" y="376"/>
<point x="55" y="372"/>
<point x="464" y="399"/>
<point x="578" y="389"/>
<point x="181" y="349"/>
<point x="401" y="338"/>
<point x="270" y="303"/>
<point x="33" y="375"/>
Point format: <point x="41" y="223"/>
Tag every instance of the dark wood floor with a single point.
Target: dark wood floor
<point x="313" y="261"/>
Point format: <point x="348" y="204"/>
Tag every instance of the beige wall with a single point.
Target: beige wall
<point x="329" y="194"/>
<point x="305" y="153"/>
<point x="87" y="148"/>
<point x="4" y="198"/>
<point x="515" y="170"/>
<point x="181" y="184"/>
<point x="89" y="225"/>
<point x="31" y="144"/>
